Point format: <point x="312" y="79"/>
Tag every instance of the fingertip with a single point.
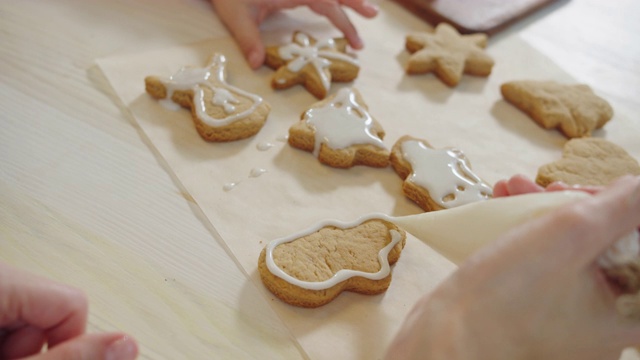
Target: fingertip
<point x="109" y="346"/>
<point x="123" y="348"/>
<point x="255" y="57"/>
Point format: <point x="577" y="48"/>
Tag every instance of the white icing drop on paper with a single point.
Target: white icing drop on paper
<point x="443" y="173"/>
<point x="342" y="123"/>
<point x="197" y="79"/>
<point x="301" y="52"/>
<point x="255" y="172"/>
<point x="283" y="138"/>
<point x="264" y="146"/>
<point x="343" y="274"/>
<point x="230" y="185"/>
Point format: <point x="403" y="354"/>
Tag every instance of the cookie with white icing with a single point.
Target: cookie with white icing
<point x="340" y="132"/>
<point x="575" y="110"/>
<point x="312" y="267"/>
<point x="312" y="63"/>
<point x="221" y="112"/>
<point x="436" y="179"/>
<point x="448" y="54"/>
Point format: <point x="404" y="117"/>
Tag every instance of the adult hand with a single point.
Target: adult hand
<point x="536" y="293"/>
<point x="520" y="184"/>
<point x="36" y="311"/>
<point x="242" y="18"/>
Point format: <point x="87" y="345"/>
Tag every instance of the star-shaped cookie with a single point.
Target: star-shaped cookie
<point x="589" y="161"/>
<point x="448" y="54"/>
<point x="574" y="109"/>
<point x="312" y="63"/>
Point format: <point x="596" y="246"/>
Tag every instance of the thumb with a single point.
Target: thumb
<point x="244" y="28"/>
<point x="112" y="346"/>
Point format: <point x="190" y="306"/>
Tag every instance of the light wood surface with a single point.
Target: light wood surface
<point x="83" y="199"/>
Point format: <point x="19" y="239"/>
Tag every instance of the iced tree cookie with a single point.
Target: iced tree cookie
<point x="221" y="112"/>
<point x="436" y="179"/>
<point x="589" y="161"/>
<point x="312" y="63"/>
<point x="574" y="109"/>
<point x="340" y="132"/>
<point x="312" y="267"/>
<point x="448" y="54"/>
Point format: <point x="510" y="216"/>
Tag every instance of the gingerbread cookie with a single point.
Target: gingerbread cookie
<point x="574" y="109"/>
<point x="340" y="132"/>
<point x="221" y="112"/>
<point x="589" y="161"/>
<point x="310" y="62"/>
<point x="311" y="268"/>
<point x="436" y="179"/>
<point x="448" y="54"/>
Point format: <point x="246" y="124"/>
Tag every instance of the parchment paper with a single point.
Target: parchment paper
<point x="296" y="191"/>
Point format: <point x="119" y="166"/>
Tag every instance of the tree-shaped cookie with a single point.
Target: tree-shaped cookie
<point x="312" y="63"/>
<point x="312" y="267"/>
<point x="221" y="112"/>
<point x="574" y="109"/>
<point x="448" y="54"/>
<point x="436" y="179"/>
<point x="589" y="161"/>
<point x="340" y="132"/>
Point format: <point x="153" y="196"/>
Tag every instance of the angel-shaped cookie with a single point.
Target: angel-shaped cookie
<point x="448" y="54"/>
<point x="221" y="112"/>
<point x="436" y="179"/>
<point x="313" y="63"/>
<point x="574" y="109"/>
<point x="340" y="132"/>
<point x="312" y="267"/>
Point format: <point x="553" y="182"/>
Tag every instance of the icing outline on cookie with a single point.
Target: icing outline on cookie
<point x="341" y="123"/>
<point x="460" y="181"/>
<point x="196" y="79"/>
<point x="342" y="274"/>
<point x="301" y="52"/>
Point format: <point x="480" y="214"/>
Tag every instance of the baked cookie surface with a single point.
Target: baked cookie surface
<point x="311" y="268"/>
<point x="448" y="54"/>
<point x="340" y="132"/>
<point x="589" y="161"/>
<point x="220" y="112"/>
<point x="574" y="109"/>
<point x="312" y="63"/>
<point x="436" y="179"/>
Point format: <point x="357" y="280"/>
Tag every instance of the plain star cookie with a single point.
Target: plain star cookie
<point x="312" y="63"/>
<point x="221" y="112"/>
<point x="448" y="54"/>
<point x="574" y="109"/>
<point x="589" y="161"/>
<point x="312" y="267"/>
<point x="340" y="132"/>
<point x="436" y="179"/>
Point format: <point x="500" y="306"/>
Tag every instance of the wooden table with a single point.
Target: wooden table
<point x="83" y="199"/>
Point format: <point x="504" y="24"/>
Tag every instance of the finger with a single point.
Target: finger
<point x="59" y="310"/>
<point x="22" y="342"/>
<point x="560" y="186"/>
<point x="500" y="189"/>
<point x="340" y="20"/>
<point x="93" y="346"/>
<point x="244" y="28"/>
<point x="363" y="8"/>
<point x="520" y="184"/>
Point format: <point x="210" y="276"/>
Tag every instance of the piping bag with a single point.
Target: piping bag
<point x="458" y="232"/>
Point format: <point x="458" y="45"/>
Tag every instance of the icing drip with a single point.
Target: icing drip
<point x="444" y="173"/>
<point x="198" y="79"/>
<point x="342" y="123"/>
<point x="255" y="172"/>
<point x="264" y="146"/>
<point x="301" y="52"/>
<point x="343" y="274"/>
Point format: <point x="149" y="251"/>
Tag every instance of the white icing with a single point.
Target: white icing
<point x="342" y="123"/>
<point x="623" y="252"/>
<point x="343" y="274"/>
<point x="283" y="138"/>
<point x="301" y="52"/>
<point x="443" y="173"/>
<point x="264" y="146"/>
<point x="197" y="79"/>
<point x="255" y="172"/>
<point x="230" y="185"/>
